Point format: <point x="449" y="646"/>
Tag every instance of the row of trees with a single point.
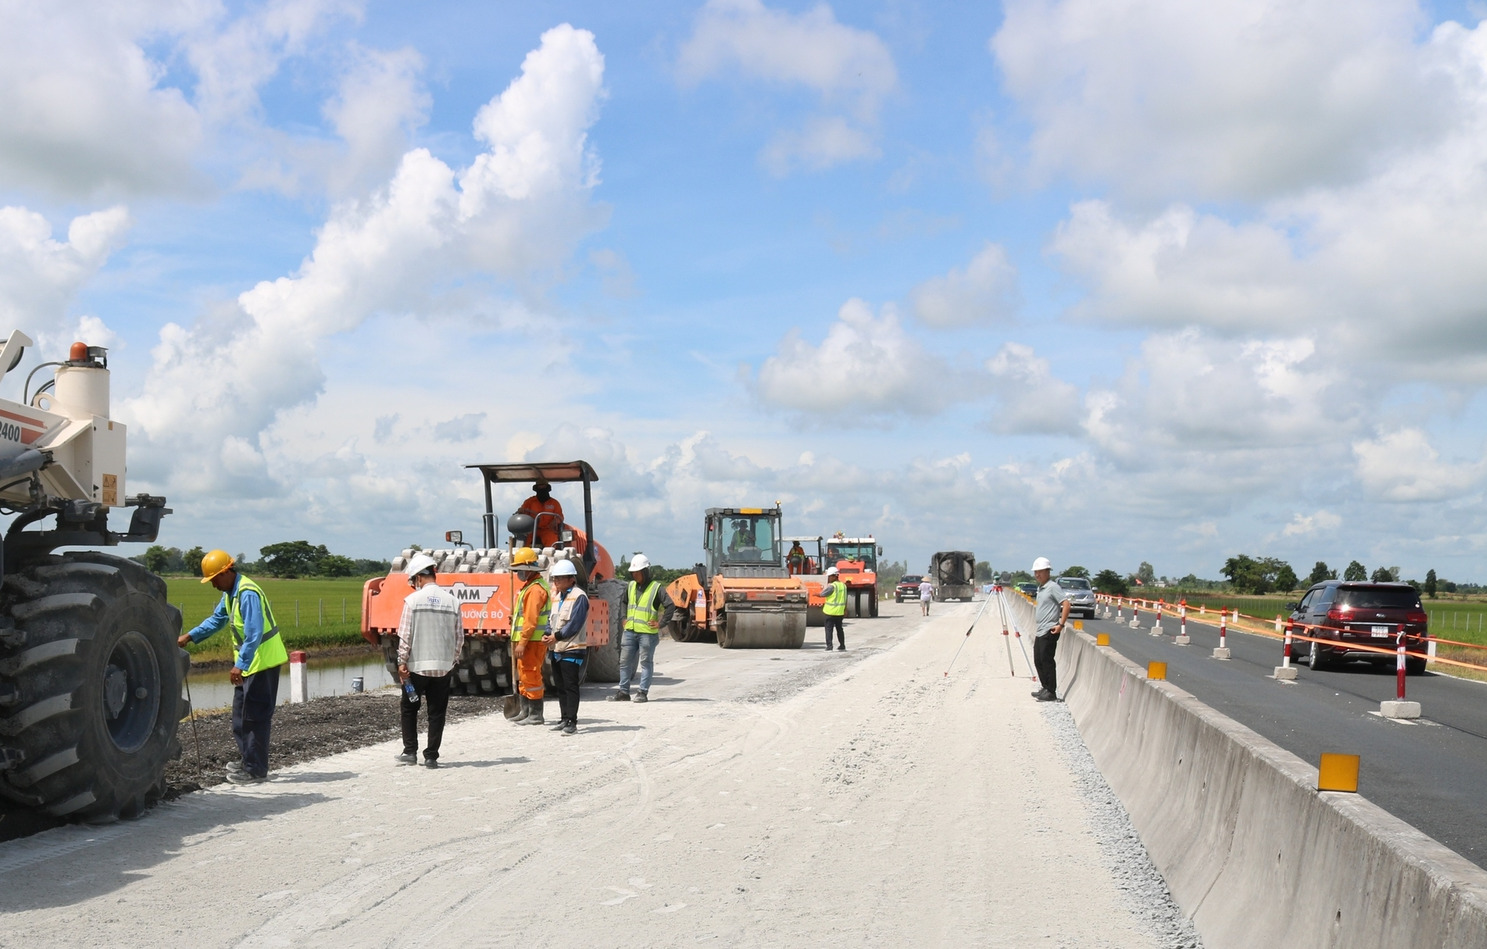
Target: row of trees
<point x="289" y="559"/>
<point x="1257" y="575"/>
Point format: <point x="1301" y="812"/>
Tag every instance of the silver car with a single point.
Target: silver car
<point x="1081" y="596"/>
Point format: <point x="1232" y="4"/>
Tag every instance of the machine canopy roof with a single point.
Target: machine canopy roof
<point x="555" y="471"/>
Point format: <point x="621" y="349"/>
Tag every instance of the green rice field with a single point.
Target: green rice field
<point x="1459" y="619"/>
<point x="310" y="613"/>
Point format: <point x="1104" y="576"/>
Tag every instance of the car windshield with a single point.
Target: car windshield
<point x="1378" y="598"/>
<point x="1073" y="583"/>
<point x="910" y="578"/>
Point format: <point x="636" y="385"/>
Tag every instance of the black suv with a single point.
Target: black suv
<point x="1347" y="615"/>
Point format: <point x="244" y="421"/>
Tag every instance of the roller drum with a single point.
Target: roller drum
<point x="756" y="629"/>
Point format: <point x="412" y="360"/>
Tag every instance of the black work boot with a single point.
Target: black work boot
<point x="535" y="718"/>
<point x="526" y="710"/>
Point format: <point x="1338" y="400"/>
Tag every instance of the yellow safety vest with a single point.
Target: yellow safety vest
<point x="836" y="599"/>
<point x="271" y="652"/>
<point x="542" y="618"/>
<point x="642" y="610"/>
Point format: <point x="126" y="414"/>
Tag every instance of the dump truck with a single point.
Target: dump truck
<point x="743" y="595"/>
<point x="953" y="573"/>
<point x="90" y="673"/>
<point x="856" y="559"/>
<point x="481" y="579"/>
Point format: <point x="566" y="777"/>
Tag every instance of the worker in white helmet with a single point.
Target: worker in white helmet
<point x="1053" y="613"/>
<point x="431" y="634"/>
<point x="647" y="609"/>
<point x="567" y="638"/>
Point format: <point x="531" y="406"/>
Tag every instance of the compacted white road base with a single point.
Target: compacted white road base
<point x="760" y="798"/>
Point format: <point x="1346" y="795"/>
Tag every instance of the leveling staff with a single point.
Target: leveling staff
<point x="259" y="652"/>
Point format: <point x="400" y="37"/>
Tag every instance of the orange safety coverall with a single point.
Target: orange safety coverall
<point x="547" y="527"/>
<point x="527" y="641"/>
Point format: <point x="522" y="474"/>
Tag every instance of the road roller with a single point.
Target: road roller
<point x="743" y="595"/>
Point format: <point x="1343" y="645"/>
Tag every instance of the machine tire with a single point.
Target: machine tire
<point x="873" y="605"/>
<point x="603" y="663"/>
<point x="94" y="678"/>
<point x="1414" y="666"/>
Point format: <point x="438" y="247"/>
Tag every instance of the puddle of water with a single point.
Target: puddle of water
<point x="212" y="690"/>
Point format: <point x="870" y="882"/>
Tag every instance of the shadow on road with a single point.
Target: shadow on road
<point x="76" y="863"/>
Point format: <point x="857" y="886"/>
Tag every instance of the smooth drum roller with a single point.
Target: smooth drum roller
<point x="748" y="629"/>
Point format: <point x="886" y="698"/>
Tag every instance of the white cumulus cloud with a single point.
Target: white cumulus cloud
<point x="1402" y="465"/>
<point x="85" y="110"/>
<point x="851" y="70"/>
<point x="380" y="101"/>
<point x="1032" y="399"/>
<point x="866" y="366"/>
<point x="40" y="275"/>
<point x="1219" y="100"/>
<point x="984" y="292"/>
<point x="515" y="213"/>
<point x="1307" y="525"/>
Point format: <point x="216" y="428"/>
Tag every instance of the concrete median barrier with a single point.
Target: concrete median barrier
<point x="1249" y="848"/>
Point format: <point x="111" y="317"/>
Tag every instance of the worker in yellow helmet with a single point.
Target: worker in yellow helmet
<point x="258" y="652"/>
<point x="529" y="621"/>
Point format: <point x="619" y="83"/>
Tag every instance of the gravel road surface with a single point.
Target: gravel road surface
<point x="762" y="798"/>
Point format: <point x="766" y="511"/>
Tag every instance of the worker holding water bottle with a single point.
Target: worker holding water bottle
<point x="430" y="637"/>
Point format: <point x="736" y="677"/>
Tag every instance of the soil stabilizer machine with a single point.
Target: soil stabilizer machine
<point x="90" y="673"/>
<point x="744" y="595"/>
<point x="481" y="579"/>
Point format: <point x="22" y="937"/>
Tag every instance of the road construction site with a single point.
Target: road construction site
<point x="762" y="797"/>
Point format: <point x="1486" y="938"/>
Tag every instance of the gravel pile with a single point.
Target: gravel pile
<point x="1139" y="882"/>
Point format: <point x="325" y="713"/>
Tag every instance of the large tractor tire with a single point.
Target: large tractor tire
<point x="604" y="661"/>
<point x="90" y="686"/>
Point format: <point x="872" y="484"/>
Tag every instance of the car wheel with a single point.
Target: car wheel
<point x="1315" y="659"/>
<point x="1414" y="666"/>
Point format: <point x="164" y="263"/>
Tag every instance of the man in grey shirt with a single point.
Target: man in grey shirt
<point x="1053" y="613"/>
<point x="431" y="634"/>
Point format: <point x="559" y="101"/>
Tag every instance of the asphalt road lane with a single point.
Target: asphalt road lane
<point x="1430" y="773"/>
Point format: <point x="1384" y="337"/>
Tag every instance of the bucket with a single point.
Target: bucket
<point x="356" y="684"/>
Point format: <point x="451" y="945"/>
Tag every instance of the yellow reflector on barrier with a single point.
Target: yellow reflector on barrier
<point x="1156" y="670"/>
<point x="1079" y="625"/>
<point x="1102" y="639"/>
<point x="1338" y="773"/>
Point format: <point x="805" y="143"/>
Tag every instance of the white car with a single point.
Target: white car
<point x="1081" y="596"/>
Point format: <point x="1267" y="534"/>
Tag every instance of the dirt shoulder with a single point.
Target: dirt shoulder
<point x="314" y="729"/>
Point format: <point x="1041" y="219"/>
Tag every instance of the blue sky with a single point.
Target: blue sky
<point x="1102" y="282"/>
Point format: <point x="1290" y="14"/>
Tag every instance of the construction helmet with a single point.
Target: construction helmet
<point x="832" y="571"/>
<point x="214" y="563"/>
<point x="1042" y="563"/>
<point x="525" y="558"/>
<point x="639" y="563"/>
<point x="563" y="568"/>
<point x="418" y="563"/>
